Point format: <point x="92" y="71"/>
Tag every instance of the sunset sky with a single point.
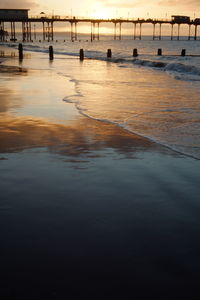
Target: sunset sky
<point x="109" y="8"/>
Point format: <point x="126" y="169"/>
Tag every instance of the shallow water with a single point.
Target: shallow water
<point x="156" y="97"/>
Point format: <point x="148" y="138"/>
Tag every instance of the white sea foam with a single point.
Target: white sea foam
<point x="182" y="68"/>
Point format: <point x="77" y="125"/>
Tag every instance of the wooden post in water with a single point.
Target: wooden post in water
<point x="159" y="52"/>
<point x="135" y="52"/>
<point x="183" y="52"/>
<point x="109" y="53"/>
<point x="20" y="48"/>
<point x="51" y="52"/>
<point x="81" y="55"/>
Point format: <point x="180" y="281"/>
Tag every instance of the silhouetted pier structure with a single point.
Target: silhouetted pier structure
<point x="48" y="26"/>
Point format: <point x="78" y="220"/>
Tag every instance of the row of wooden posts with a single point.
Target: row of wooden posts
<point x="81" y="53"/>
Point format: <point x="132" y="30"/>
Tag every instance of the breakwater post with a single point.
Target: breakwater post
<point x="81" y="54"/>
<point x="135" y="52"/>
<point x="51" y="52"/>
<point x="109" y="53"/>
<point x="159" y="52"/>
<point x="20" y="48"/>
<point x="183" y="52"/>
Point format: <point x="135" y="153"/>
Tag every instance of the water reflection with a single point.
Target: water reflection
<point x="9" y="100"/>
<point x="13" y="70"/>
<point x="80" y="137"/>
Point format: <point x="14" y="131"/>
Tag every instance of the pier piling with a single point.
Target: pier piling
<point x="51" y="52"/>
<point x="20" y="48"/>
<point x="48" y="27"/>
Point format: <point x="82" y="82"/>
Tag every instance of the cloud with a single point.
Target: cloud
<point x="18" y="4"/>
<point x="191" y="4"/>
<point x="120" y="4"/>
<point x="186" y="3"/>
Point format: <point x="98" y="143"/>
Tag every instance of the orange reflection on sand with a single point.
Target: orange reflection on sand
<point x="82" y="136"/>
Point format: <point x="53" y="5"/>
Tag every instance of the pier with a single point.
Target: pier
<point x="48" y="22"/>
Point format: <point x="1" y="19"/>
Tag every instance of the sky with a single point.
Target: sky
<point x="109" y="8"/>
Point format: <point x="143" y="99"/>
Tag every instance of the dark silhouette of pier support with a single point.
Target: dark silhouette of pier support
<point x="117" y="30"/>
<point x="48" y="27"/>
<point x="178" y="36"/>
<point x="195" y="32"/>
<point x="173" y="37"/>
<point x="190" y="37"/>
<point x="172" y="32"/>
<point x="74" y="35"/>
<point x="178" y="32"/>
<point x="12" y="31"/>
<point x="26" y="32"/>
<point x="49" y="34"/>
<point x="189" y="33"/>
<point x="94" y="31"/>
<point x="2" y="32"/>
<point x="138" y="35"/>
<point x="154" y="31"/>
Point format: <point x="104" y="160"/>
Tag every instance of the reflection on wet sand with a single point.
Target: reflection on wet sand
<point x="13" y="70"/>
<point x="82" y="136"/>
<point x="79" y="137"/>
<point x="9" y="97"/>
<point x="9" y="100"/>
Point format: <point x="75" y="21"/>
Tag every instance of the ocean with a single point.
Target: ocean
<point x="157" y="97"/>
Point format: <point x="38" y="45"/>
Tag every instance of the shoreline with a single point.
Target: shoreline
<point x="20" y="68"/>
<point x="40" y="121"/>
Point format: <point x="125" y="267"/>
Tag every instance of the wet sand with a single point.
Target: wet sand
<point x="88" y="209"/>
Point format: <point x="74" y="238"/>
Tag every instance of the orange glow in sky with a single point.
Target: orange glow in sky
<point x="109" y="8"/>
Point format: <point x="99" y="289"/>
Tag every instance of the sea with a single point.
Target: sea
<point x="157" y="97"/>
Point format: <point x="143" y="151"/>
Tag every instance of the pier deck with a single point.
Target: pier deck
<point x="48" y="27"/>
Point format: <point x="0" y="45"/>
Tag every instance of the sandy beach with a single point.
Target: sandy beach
<point x="88" y="209"/>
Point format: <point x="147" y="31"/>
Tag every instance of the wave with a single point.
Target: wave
<point x="176" y="69"/>
<point x="179" y="149"/>
<point x="179" y="70"/>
